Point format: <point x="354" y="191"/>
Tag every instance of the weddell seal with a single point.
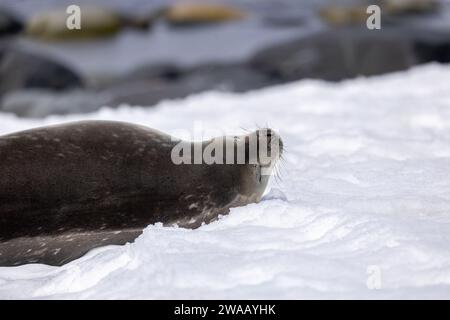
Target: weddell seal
<point x="66" y="189"/>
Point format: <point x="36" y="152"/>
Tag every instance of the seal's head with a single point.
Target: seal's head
<point x="248" y="161"/>
<point x="263" y="150"/>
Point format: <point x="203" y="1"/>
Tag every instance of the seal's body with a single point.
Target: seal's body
<point x="68" y="188"/>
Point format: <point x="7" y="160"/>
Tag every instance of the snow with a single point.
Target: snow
<point x="362" y="209"/>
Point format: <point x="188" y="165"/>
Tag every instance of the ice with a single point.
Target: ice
<point x="362" y="209"/>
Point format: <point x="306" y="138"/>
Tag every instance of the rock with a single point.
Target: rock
<point x="95" y="22"/>
<point x="147" y="92"/>
<point x="145" y="86"/>
<point x="430" y="51"/>
<point x="344" y="15"/>
<point x="431" y="44"/>
<point x="337" y="54"/>
<point x="191" y="14"/>
<point x="167" y="82"/>
<point x="394" y="7"/>
<point x="20" y="69"/>
<point x="9" y="24"/>
<point x="34" y="103"/>
<point x="229" y="77"/>
<point x="163" y="71"/>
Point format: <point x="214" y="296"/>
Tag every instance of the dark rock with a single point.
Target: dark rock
<point x="147" y="92"/>
<point x="337" y="54"/>
<point x="152" y="84"/>
<point x="9" y="24"/>
<point x="165" y="71"/>
<point x="439" y="53"/>
<point x="431" y="46"/>
<point x="145" y="86"/>
<point x="145" y="73"/>
<point x="20" y="69"/>
<point x="427" y="51"/>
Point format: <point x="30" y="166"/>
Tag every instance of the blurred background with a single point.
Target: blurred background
<point x="140" y="52"/>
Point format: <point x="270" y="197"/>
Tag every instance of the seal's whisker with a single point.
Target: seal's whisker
<point x="276" y="177"/>
<point x="282" y="169"/>
<point x="275" y="174"/>
<point x="279" y="172"/>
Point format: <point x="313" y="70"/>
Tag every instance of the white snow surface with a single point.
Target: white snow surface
<point x="364" y="198"/>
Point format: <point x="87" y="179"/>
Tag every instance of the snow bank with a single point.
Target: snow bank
<point x="364" y="201"/>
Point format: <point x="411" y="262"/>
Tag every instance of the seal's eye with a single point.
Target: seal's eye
<point x="265" y="133"/>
